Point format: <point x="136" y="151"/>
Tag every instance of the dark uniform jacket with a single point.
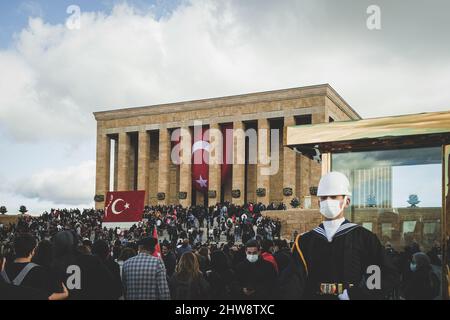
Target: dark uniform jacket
<point x="343" y="262"/>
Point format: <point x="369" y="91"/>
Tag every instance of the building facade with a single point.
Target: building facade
<point x="134" y="147"/>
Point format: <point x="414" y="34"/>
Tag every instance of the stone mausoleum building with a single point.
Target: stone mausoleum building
<point x="134" y="147"/>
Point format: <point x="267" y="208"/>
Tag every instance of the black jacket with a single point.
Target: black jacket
<point x="288" y="282"/>
<point x="12" y="292"/>
<point x="221" y="283"/>
<point x="422" y="285"/>
<point x="95" y="279"/>
<point x="170" y="261"/>
<point x="259" y="276"/>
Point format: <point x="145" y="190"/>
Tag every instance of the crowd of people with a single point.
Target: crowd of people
<point x="58" y="239"/>
<point x="221" y="252"/>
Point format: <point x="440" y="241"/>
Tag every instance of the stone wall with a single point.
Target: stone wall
<point x="295" y="219"/>
<point x="7" y="219"/>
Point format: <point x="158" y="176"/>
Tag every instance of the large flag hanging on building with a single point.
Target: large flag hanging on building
<point x="200" y="152"/>
<point x="124" y="206"/>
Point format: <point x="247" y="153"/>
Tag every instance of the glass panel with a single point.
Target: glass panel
<point x="398" y="191"/>
<point x="397" y="194"/>
<point x="368" y="225"/>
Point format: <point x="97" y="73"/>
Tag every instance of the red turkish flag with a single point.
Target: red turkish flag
<point x="200" y="152"/>
<point x="124" y="206"/>
<point x="157" y="252"/>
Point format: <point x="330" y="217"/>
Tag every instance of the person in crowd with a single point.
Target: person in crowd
<point x="185" y="247"/>
<point x="87" y="245"/>
<point x="88" y="276"/>
<point x="256" y="278"/>
<point x="10" y="291"/>
<point x="117" y="249"/>
<point x="288" y="283"/>
<point x="22" y="271"/>
<point x="435" y="254"/>
<point x="101" y="249"/>
<point x="188" y="283"/>
<point x="125" y="254"/>
<point x="266" y="253"/>
<point x="220" y="277"/>
<point x="144" y="276"/>
<point x="227" y="252"/>
<point x="423" y="283"/>
<point x="238" y="256"/>
<point x="204" y="259"/>
<point x="332" y="261"/>
<point x="44" y="258"/>
<point x="169" y="258"/>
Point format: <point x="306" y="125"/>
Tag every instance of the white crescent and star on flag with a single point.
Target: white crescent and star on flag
<point x="113" y="207"/>
<point x="115" y="203"/>
<point x="201" y="145"/>
<point x="202" y="182"/>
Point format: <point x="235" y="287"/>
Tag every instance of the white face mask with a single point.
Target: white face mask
<point x="330" y="208"/>
<point x="252" y="258"/>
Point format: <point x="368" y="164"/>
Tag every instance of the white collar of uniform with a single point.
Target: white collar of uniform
<point x="331" y="227"/>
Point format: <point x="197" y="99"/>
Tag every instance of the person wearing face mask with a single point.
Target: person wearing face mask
<point x="256" y="278"/>
<point x="423" y="284"/>
<point x="332" y="260"/>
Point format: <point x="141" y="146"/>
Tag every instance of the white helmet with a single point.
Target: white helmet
<point x="334" y="184"/>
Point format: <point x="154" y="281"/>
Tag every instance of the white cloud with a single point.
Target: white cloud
<point x="73" y="185"/>
<point x="31" y="8"/>
<point x="53" y="78"/>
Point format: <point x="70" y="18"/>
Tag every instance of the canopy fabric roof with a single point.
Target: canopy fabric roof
<point x="406" y="131"/>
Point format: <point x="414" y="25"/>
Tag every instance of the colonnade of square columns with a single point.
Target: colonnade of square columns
<point x="240" y="184"/>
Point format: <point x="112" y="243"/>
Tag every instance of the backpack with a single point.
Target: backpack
<point x="17" y="281"/>
<point x="189" y="290"/>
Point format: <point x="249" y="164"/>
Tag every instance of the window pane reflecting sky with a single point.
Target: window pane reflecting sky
<point x="410" y="171"/>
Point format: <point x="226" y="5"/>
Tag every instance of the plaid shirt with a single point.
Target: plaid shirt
<point x="144" y="278"/>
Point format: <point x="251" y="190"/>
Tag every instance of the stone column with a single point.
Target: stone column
<point x="238" y="179"/>
<point x="289" y="165"/>
<point x="185" y="165"/>
<point x="326" y="163"/>
<point x="164" y="161"/>
<point x="316" y="168"/>
<point x="143" y="163"/>
<point x="123" y="162"/>
<point x="116" y="162"/>
<point x="263" y="167"/>
<point x="132" y="162"/>
<point x="215" y="159"/>
<point x="102" y="167"/>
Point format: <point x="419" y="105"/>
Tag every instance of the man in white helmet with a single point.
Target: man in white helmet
<point x="334" y="260"/>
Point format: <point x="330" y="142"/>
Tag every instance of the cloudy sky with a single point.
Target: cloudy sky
<point x="134" y="53"/>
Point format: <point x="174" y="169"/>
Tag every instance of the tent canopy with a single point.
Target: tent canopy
<point x="406" y="131"/>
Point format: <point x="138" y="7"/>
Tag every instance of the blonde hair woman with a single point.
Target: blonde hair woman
<point x="188" y="283"/>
